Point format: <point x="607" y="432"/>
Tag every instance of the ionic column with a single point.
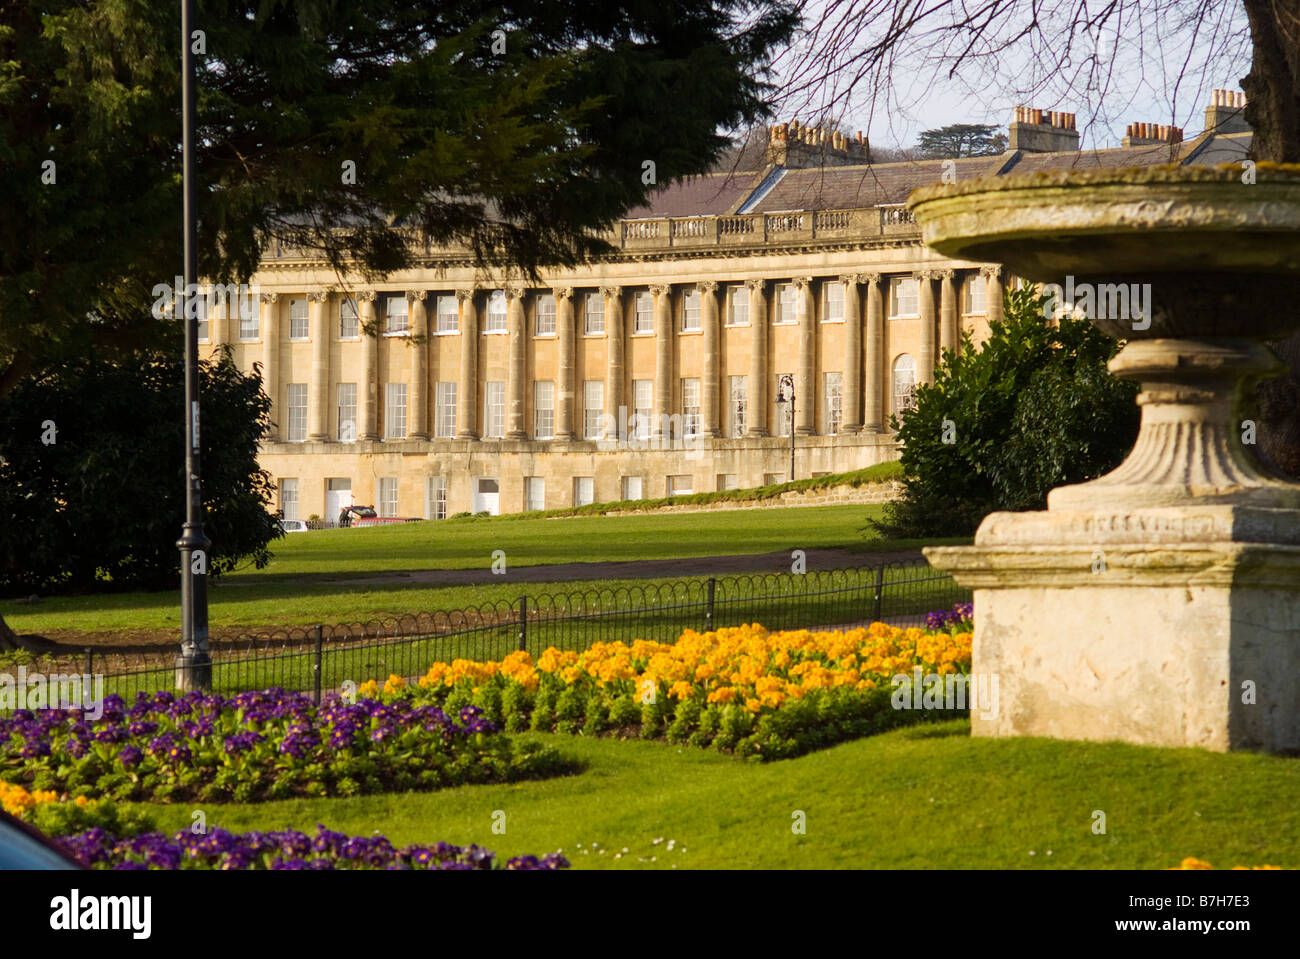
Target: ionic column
<point x="269" y="328"/>
<point x="925" y="353"/>
<point x="711" y="388"/>
<point x="663" y="401"/>
<point x="367" y="400"/>
<point x="805" y="380"/>
<point x="873" y="418"/>
<point x="565" y="364"/>
<point x="467" y="388"/>
<point x="517" y="377"/>
<point x="419" y="343"/>
<point x="758" y="332"/>
<point x="318" y="400"/>
<point x="615" y="339"/>
<point x="218" y="322"/>
<point x="852" y="354"/>
<point x="993" y="296"/>
<point x="947" y="311"/>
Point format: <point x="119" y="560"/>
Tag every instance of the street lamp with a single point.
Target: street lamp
<point x="194" y="664"/>
<point x="785" y="394"/>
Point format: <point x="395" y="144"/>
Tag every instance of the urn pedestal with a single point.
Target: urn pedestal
<point x="1159" y="603"/>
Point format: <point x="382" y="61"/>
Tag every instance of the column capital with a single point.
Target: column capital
<point x="464" y="293"/>
<point x="945" y="274"/>
<point x="367" y="296"/>
<point x="415" y="296"/>
<point x="756" y="284"/>
<point x="853" y="279"/>
<point x="514" y="291"/>
<point x="994" y="270"/>
<point x="269" y="297"/>
<point x="801" y="282"/>
<point x="660" y="289"/>
<point x="562" y="292"/>
<point x="925" y="274"/>
<point x="706" y="286"/>
<point x="611" y="292"/>
<point x="318" y="296"/>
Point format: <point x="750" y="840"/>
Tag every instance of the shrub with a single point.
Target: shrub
<point x="1033" y="408"/>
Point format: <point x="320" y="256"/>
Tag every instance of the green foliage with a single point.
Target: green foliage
<point x="962" y="140"/>
<point x="69" y="818"/>
<point x="519" y="129"/>
<point x="1033" y="408"/>
<point x="101" y="505"/>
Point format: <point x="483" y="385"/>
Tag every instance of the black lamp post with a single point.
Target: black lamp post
<point x="194" y="665"/>
<point x="785" y="394"/>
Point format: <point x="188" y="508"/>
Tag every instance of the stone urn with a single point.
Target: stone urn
<point x="1159" y="603"/>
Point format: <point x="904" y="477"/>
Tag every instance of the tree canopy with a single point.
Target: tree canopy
<point x="517" y="128"/>
<point x="962" y="140"/>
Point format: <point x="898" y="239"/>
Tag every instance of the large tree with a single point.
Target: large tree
<point x="92" y="472"/>
<point x="961" y="140"/>
<point x="518" y="128"/>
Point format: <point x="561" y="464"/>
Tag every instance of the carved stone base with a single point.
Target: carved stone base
<point x="1176" y="626"/>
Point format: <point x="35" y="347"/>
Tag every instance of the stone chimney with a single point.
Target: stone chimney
<point x="1226" y="113"/>
<point x="795" y="146"/>
<point x="1151" y="134"/>
<point x="1042" y="131"/>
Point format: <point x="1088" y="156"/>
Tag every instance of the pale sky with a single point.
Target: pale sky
<point x="1145" y="56"/>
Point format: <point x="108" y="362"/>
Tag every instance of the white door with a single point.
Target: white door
<point x="486" y="494"/>
<point x="338" y="494"/>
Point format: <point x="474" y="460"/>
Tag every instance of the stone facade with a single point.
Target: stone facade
<point x="654" y="371"/>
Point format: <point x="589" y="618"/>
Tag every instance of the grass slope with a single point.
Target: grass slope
<point x="308" y="579"/>
<point x="923" y="797"/>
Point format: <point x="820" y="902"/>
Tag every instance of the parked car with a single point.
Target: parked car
<point x="294" y="525"/>
<point x="366" y="516"/>
<point x="22" y="847"/>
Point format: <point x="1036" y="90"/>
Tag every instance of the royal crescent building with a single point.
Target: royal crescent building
<point x="657" y="370"/>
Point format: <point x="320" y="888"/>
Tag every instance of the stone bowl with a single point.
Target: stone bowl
<point x="1221" y="256"/>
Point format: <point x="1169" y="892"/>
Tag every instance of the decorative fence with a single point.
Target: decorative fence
<point x="322" y="659"/>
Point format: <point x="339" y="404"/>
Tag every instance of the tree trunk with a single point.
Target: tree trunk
<point x="8" y="641"/>
<point x="1273" y="111"/>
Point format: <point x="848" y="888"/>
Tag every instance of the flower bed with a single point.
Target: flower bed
<point x="259" y="745"/>
<point x="760" y="694"/>
<point x="1191" y="862"/>
<point x="289" y="849"/>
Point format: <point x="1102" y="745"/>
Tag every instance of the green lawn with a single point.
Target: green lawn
<point x="922" y="797"/>
<point x="307" y="582"/>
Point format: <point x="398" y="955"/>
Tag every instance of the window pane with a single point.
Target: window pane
<point x="545" y="314"/>
<point x="347" y="412"/>
<point x="691" y="311"/>
<point x="834" y="301"/>
<point x="395" y="412"/>
<point x="593" y="409"/>
<point x="494" y="422"/>
<point x="448" y="314"/>
<point x="594" y="312"/>
<point x="445" y="413"/>
<point x="388" y="496"/>
<point x="289" y="498"/>
<point x="543" y="410"/>
<point x="298" y="327"/>
<point x="738" y="306"/>
<point x="905" y="295"/>
<point x="397" y="315"/>
<point x="737" y="392"/>
<point x="496" y="311"/>
<point x="645" y="313"/>
<point x="297" y="412"/>
<point x="832" y="402"/>
<point x="349" y="320"/>
<point x="690" y="407"/>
